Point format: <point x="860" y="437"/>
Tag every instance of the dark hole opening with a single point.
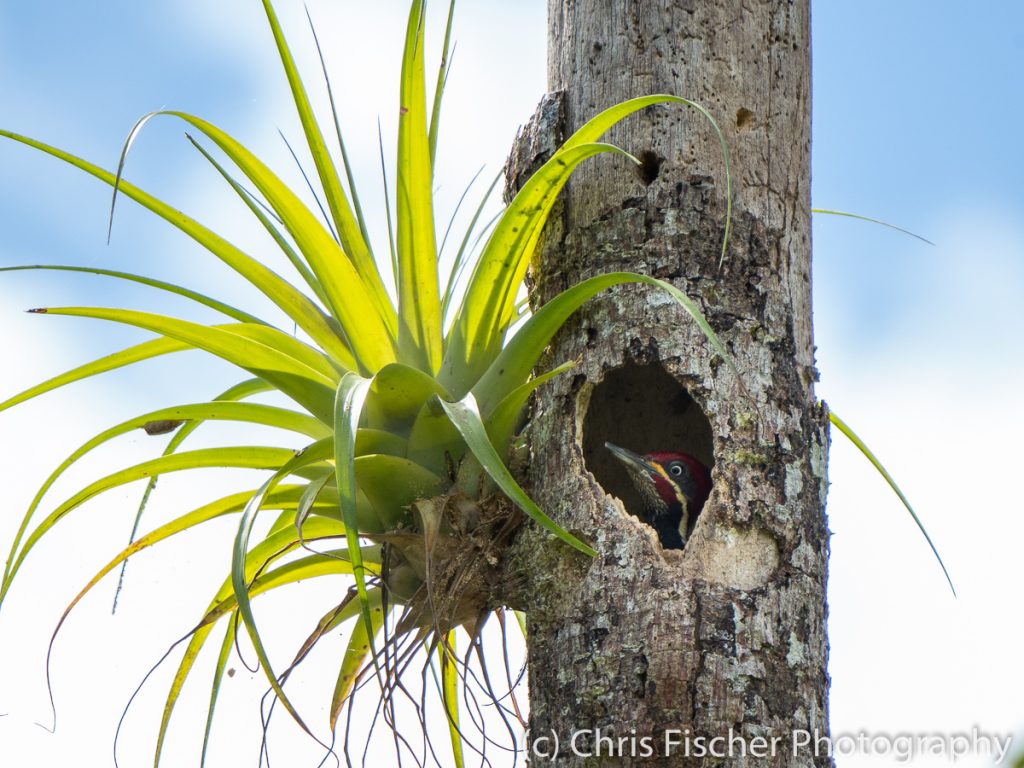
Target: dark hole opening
<point x="643" y="409"/>
<point x="650" y="166"/>
<point x="744" y="118"/>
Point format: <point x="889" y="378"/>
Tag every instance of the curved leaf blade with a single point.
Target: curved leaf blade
<point x="308" y="387"/>
<point x="367" y="323"/>
<point x="240" y="577"/>
<point x="295" y="304"/>
<point x="466" y="418"/>
<point x="843" y="427"/>
<point x="490" y="298"/>
<point x="244" y="457"/>
<point x="353" y="661"/>
<point x="508" y="414"/>
<point x="254" y="207"/>
<point x="419" y="302"/>
<point x="218" y="676"/>
<point x="187" y="293"/>
<point x="353" y="242"/>
<point x="128" y="356"/>
<point x="442" y="79"/>
<point x="265" y="415"/>
<point x="847" y="214"/>
<point x="348" y="406"/>
<point x="450" y="694"/>
<point x="514" y="363"/>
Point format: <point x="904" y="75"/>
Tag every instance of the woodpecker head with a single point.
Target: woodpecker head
<point x="672" y="486"/>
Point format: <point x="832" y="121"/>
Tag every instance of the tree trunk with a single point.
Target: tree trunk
<point x="663" y="650"/>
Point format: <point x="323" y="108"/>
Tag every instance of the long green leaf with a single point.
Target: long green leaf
<point x="352" y="239"/>
<point x="226" y="644"/>
<point x="308" y="387"/>
<point x="870" y="220"/>
<point x="308" y="500"/>
<point x="387" y="205"/>
<point x="254" y="207"/>
<point x="120" y="359"/>
<point x="328" y="563"/>
<point x="341" y="141"/>
<point x="247" y="457"/>
<point x="240" y="391"/>
<point x="219" y="306"/>
<point x="240" y="576"/>
<point x="348" y="406"/>
<point x="462" y="255"/>
<point x="442" y="79"/>
<point x="288" y="345"/>
<point x="353" y="661"/>
<point x="419" y="301"/>
<point x="220" y="411"/>
<point x="863" y="448"/>
<point x="367" y="324"/>
<point x="450" y="693"/>
<point x="489" y="302"/>
<point x="513" y="365"/>
<point x="188" y="659"/>
<point x="297" y="306"/>
<point x="508" y="414"/>
<point x="466" y="418"/>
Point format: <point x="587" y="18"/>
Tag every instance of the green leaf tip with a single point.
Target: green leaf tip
<point x="880" y="222"/>
<point x="843" y="427"/>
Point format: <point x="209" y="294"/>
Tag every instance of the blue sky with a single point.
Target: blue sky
<point x="916" y="111"/>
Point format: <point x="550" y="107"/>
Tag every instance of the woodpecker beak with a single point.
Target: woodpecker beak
<point x="634" y="461"/>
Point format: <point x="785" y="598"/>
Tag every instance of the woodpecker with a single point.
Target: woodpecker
<point x="673" y="487"/>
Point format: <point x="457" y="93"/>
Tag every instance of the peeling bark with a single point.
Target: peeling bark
<point x="728" y="635"/>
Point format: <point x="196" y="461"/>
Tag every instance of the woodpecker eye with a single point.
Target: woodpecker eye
<point x="676" y="470"/>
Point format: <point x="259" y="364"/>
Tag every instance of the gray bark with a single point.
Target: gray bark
<point x="727" y="635"/>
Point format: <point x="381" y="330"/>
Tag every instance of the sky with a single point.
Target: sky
<point x="916" y="107"/>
